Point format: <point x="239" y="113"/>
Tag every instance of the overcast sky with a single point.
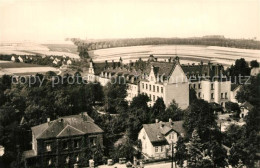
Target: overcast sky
<point x="54" y="20"/>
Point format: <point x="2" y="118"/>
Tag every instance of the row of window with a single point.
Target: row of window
<point x="152" y="88"/>
<point x="159" y="149"/>
<point x="222" y="95"/>
<point x="153" y="97"/>
<point x="194" y="86"/>
<point x="76" y="144"/>
<point x="67" y="160"/>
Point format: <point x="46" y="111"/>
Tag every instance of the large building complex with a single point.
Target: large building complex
<point x="166" y="79"/>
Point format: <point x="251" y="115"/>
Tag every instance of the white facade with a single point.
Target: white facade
<point x="175" y="88"/>
<point x="213" y="91"/>
<point x="132" y="91"/>
<point x="156" y="150"/>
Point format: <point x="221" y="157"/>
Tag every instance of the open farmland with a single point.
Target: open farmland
<point x="68" y="50"/>
<point x="11" y="68"/>
<point x="187" y="53"/>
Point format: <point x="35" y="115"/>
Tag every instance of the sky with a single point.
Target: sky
<point x="50" y="21"/>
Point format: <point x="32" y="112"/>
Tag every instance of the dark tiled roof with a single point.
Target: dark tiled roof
<point x="157" y="133"/>
<point x="66" y="126"/>
<point x="247" y="105"/>
<point x="160" y="68"/>
<point x="234" y="86"/>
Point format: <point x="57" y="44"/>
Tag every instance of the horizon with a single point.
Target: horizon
<point x="46" y="21"/>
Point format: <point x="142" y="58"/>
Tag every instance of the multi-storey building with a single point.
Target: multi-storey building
<point x="168" y="79"/>
<point x="63" y="142"/>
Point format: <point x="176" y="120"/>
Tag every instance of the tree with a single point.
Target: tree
<point x="233" y="107"/>
<point x="218" y="155"/>
<point x="254" y="64"/>
<point x="158" y="108"/>
<point x="195" y="150"/>
<point x="200" y="116"/>
<point x="115" y="95"/>
<point x="250" y="91"/>
<point x="192" y="95"/>
<point x="181" y="152"/>
<point x="240" y="68"/>
<point x="173" y="111"/>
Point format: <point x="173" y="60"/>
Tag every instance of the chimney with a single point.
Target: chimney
<point x="161" y="124"/>
<point x="156" y="120"/>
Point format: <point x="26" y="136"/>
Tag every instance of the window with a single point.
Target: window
<point x="48" y="147"/>
<point x="156" y="149"/>
<point x="76" y="143"/>
<point x="226" y="95"/>
<point x="146" y="86"/>
<point x="153" y="88"/>
<point x="199" y="95"/>
<point x="150" y="87"/>
<point x="162" y="149"/>
<point x="199" y="86"/>
<point x="194" y="86"/>
<point x="150" y="97"/>
<point x="222" y="96"/>
<point x="153" y="97"/>
<point x="65" y="145"/>
<point x="67" y="159"/>
<point x="77" y="158"/>
<point x="212" y="86"/>
<point x="222" y="104"/>
<point x="143" y="85"/>
<point x="158" y="89"/>
<point x="161" y="89"/>
<point x="212" y="95"/>
<point x="49" y="162"/>
<point x="93" y="141"/>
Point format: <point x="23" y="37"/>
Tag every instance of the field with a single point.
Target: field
<point x="11" y="68"/>
<point x="187" y="54"/>
<point x="68" y="50"/>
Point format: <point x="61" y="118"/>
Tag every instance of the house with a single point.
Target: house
<point x="20" y="59"/>
<point x="63" y="142"/>
<point x="69" y="62"/>
<point x="255" y="71"/>
<point x="245" y="108"/>
<point x="13" y="59"/>
<point x="158" y="139"/>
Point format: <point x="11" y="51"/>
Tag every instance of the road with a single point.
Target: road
<point x="153" y="165"/>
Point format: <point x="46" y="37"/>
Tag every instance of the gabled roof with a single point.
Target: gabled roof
<point x="66" y="126"/>
<point x="247" y="105"/>
<point x="235" y="86"/>
<point x="157" y="131"/>
<point x="160" y="68"/>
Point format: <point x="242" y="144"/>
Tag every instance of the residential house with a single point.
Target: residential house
<point x="245" y="108"/>
<point x="159" y="138"/>
<point x="13" y="59"/>
<point x="255" y="71"/>
<point x="20" y="59"/>
<point x="63" y="142"/>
